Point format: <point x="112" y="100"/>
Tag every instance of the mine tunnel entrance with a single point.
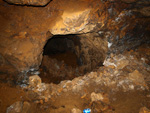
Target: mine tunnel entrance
<point x="60" y="61"/>
<point x="62" y="48"/>
<point x="68" y="56"/>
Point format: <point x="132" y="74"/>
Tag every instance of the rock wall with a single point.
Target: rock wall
<point x="24" y="30"/>
<point x="92" y="50"/>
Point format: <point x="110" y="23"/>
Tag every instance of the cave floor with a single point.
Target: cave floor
<point x="119" y="102"/>
<point x="120" y="86"/>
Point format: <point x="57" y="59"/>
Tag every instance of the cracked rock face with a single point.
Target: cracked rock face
<point x="75" y="17"/>
<point x="72" y="22"/>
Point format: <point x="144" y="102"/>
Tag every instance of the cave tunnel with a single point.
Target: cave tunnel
<point x="59" y="58"/>
<point x="63" y="56"/>
<point x="68" y="56"/>
<point x="62" y="48"/>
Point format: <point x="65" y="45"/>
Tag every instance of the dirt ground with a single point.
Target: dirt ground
<point x="120" y="102"/>
<point x="8" y="95"/>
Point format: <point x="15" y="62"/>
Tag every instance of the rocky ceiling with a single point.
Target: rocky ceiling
<point x="26" y="25"/>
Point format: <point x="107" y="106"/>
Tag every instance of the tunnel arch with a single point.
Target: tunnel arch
<point x="69" y="56"/>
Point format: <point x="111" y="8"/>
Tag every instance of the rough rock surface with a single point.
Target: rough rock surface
<point x="96" y="90"/>
<point x="130" y="77"/>
<point x="32" y="26"/>
<point x="19" y="107"/>
<point x="144" y="110"/>
<point x="29" y="2"/>
<point x="75" y="110"/>
<point x="15" y="108"/>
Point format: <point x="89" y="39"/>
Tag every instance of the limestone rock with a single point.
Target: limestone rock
<point x="72" y="22"/>
<point x="34" y="81"/>
<point x="121" y="64"/>
<point x="144" y="110"/>
<point x="29" y="2"/>
<point x="19" y="107"/>
<point x="26" y="107"/>
<point x="118" y="62"/>
<point x="137" y="78"/>
<point x="75" y="110"/>
<point x="15" y="108"/>
<point x="18" y="51"/>
<point x="96" y="97"/>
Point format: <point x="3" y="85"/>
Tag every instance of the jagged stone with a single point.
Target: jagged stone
<point x="75" y="110"/>
<point x="34" y="81"/>
<point x="96" y="97"/>
<point x="72" y="23"/>
<point x="15" y="108"/>
<point x="137" y="78"/>
<point x="144" y="110"/>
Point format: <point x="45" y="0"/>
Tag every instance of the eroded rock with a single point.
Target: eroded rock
<point x="75" y="110"/>
<point x="144" y="110"/>
<point x="26" y="107"/>
<point x="137" y="78"/>
<point x="19" y="107"/>
<point x="34" y="81"/>
<point x="96" y="97"/>
<point x="15" y="108"/>
<point x="72" y="23"/>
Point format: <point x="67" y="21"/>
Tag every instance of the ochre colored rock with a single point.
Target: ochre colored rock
<point x="29" y="2"/>
<point x="72" y="23"/>
<point x="15" y="107"/>
<point x="75" y="110"/>
<point x="22" y="51"/>
<point x="144" y="110"/>
<point x="137" y="78"/>
<point x="96" y="97"/>
<point x="76" y="17"/>
<point x="34" y="81"/>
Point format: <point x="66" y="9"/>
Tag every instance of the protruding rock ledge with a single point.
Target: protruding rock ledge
<point x="29" y="2"/>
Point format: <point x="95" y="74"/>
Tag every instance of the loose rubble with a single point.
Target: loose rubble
<point x="75" y="110"/>
<point x="19" y="107"/>
<point x="119" y="73"/>
<point x="122" y="72"/>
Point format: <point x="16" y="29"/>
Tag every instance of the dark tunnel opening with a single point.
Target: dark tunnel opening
<point x="60" y="60"/>
<point x="68" y="56"/>
<point x="62" y="48"/>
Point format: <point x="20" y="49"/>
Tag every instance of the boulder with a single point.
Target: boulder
<point x="75" y="110"/>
